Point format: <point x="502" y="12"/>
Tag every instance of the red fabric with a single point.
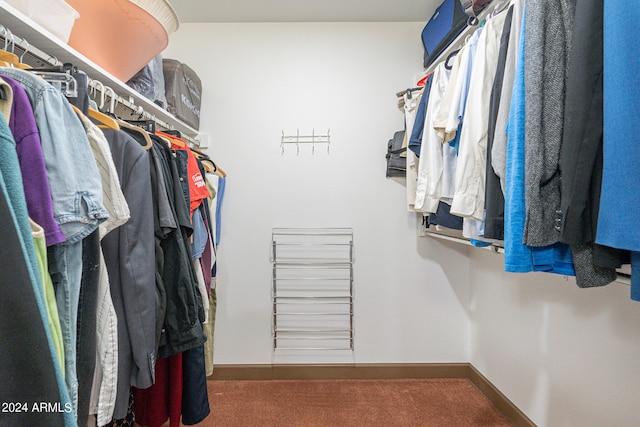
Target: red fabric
<point x="197" y="185"/>
<point x="163" y="400"/>
<point x="423" y="80"/>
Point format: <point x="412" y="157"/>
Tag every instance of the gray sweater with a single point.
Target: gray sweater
<point x="547" y="45"/>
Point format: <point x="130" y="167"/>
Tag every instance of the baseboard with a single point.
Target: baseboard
<point x="377" y="371"/>
<point x="504" y="405"/>
<point x="336" y="372"/>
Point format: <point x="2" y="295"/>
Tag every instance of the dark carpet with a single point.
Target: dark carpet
<point x="309" y="403"/>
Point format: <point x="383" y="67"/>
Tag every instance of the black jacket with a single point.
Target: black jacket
<point x="184" y="312"/>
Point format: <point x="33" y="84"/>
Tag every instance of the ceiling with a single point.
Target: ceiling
<point x="304" y="10"/>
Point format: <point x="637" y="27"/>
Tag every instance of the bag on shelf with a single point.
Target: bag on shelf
<point x="473" y="7"/>
<point x="149" y="82"/>
<point x="183" y="91"/>
<point x="396" y="162"/>
<point x="445" y="25"/>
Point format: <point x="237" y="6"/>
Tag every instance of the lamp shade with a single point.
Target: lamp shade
<point x="122" y="36"/>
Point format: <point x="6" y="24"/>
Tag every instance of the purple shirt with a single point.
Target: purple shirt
<point x="34" y="175"/>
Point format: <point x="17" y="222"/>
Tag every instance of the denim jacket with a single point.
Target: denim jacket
<point x="76" y="189"/>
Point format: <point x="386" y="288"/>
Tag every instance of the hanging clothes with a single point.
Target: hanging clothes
<point x="71" y="168"/>
<point x="499" y="147"/>
<point x="620" y="201"/>
<point x="494" y="197"/>
<point x="30" y="374"/>
<point x="547" y="46"/>
<point x="132" y="282"/>
<point x="76" y="193"/>
<point x="102" y="394"/>
<point x="415" y="140"/>
<point x="197" y="187"/>
<point x="184" y="312"/>
<point x="181" y="366"/>
<point x="469" y="197"/>
<point x="456" y="113"/>
<point x="519" y="258"/>
<point x="581" y="153"/>
<point x="412" y="102"/>
<point x="34" y="175"/>
<point x="433" y="154"/>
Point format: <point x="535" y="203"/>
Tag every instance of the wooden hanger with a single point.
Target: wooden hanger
<point x="172" y="139"/>
<point x="220" y="172"/>
<point x="208" y="163"/>
<point x="139" y="130"/>
<point x="105" y="122"/>
<point x="199" y="155"/>
<point x="9" y="57"/>
<point x="208" y="166"/>
<point x="217" y="170"/>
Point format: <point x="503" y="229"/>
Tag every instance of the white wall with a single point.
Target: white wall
<point x="262" y="79"/>
<point x="566" y="356"/>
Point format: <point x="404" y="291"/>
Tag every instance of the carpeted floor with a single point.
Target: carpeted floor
<point x="352" y="403"/>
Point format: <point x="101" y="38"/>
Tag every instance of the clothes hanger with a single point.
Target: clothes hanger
<point x="5" y="55"/>
<point x="10" y="59"/>
<point x="21" y="64"/>
<point x="103" y="120"/>
<point x="165" y="139"/>
<point x="200" y="154"/>
<point x="137" y="129"/>
<point x="449" y="57"/>
<point x="220" y="172"/>
<point x="172" y="139"/>
<point x="123" y="124"/>
<point x="208" y="165"/>
<point x="62" y="80"/>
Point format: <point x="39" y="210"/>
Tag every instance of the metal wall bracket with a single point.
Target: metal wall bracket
<point x="312" y="139"/>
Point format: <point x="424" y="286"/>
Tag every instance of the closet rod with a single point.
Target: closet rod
<point x="313" y="231"/>
<point x="282" y="313"/>
<point x="138" y="110"/>
<point x="27" y="49"/>
<point x="44" y="59"/>
<point x="285" y="330"/>
<point x="621" y="278"/>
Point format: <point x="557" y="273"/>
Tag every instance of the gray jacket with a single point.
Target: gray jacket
<point x="547" y="45"/>
<point x="129" y="254"/>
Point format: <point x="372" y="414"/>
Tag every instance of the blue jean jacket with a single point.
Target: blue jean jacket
<point x="76" y="189"/>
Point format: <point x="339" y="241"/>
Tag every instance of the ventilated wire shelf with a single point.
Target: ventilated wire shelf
<point x="312" y="289"/>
